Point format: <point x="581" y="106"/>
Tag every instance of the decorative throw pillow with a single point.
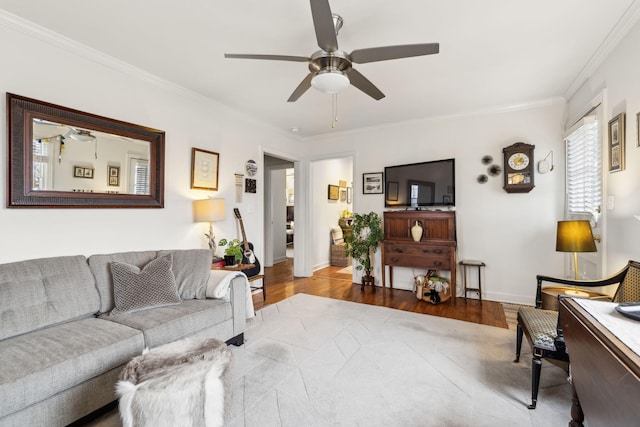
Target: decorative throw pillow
<point x="135" y="289"/>
<point x="336" y="235"/>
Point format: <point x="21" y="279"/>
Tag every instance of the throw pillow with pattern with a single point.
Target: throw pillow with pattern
<point x="135" y="289"/>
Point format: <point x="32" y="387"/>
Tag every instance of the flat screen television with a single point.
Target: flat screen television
<point x="420" y="184"/>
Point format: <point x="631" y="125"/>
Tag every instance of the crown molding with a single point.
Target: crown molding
<point x="35" y="31"/>
<point x="615" y="36"/>
<point x="459" y="115"/>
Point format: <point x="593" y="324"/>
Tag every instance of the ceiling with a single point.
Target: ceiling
<point x="493" y="53"/>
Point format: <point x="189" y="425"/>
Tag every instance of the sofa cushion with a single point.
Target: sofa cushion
<point x="42" y="292"/>
<point x="191" y="269"/>
<point x="101" y="268"/>
<point x="138" y="289"/>
<point x="165" y="324"/>
<point x="41" y="364"/>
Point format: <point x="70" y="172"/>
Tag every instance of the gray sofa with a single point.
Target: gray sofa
<point x="61" y="350"/>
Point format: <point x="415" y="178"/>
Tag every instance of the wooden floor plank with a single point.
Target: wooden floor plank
<point x="327" y="282"/>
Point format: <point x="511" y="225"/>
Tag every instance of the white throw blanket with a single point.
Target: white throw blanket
<point x="218" y="286"/>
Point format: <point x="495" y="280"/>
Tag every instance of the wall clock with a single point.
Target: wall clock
<point x="518" y="168"/>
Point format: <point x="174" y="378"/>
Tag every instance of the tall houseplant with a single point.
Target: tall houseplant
<point x="363" y="242"/>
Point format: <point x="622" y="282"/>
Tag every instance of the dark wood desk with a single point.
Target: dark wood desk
<point x="605" y="372"/>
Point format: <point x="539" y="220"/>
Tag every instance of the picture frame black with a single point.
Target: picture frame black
<point x="373" y="183"/>
<point x="616" y="143"/>
<point x="113" y="176"/>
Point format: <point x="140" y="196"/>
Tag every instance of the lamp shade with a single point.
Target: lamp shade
<point x="208" y="210"/>
<point x="575" y="236"/>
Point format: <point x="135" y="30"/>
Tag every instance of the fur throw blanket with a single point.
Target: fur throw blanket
<point x="184" y="383"/>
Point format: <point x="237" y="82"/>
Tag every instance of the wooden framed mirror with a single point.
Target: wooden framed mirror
<point x="65" y="158"/>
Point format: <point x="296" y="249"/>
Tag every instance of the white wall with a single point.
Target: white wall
<point x="619" y="75"/>
<point x="514" y="234"/>
<point x="326" y="213"/>
<point x="62" y="73"/>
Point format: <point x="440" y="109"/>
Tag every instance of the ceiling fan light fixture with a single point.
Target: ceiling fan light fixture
<point x="83" y="136"/>
<point x="330" y="81"/>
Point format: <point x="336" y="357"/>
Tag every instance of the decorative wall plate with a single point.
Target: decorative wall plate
<point x="251" y="167"/>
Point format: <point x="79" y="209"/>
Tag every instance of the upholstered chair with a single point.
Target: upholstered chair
<point x="542" y="327"/>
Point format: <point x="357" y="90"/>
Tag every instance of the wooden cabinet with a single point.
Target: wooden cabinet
<point x="436" y="250"/>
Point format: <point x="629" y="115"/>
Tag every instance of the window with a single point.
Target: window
<point x="139" y="176"/>
<point x="584" y="174"/>
<point x="41" y="160"/>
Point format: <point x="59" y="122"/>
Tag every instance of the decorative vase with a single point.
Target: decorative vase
<point x="419" y="291"/>
<point x="416" y="232"/>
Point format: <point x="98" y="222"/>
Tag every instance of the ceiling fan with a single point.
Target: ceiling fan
<point x="330" y="69"/>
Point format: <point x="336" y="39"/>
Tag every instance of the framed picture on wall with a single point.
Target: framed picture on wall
<point x="372" y="183"/>
<point x="334" y="192"/>
<point x="113" y="173"/>
<point x="616" y="143"/>
<point x="204" y="169"/>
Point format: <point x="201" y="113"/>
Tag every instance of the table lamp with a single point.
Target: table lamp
<point x="209" y="210"/>
<point x="575" y="236"/>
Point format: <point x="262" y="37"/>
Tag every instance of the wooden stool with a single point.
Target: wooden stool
<point x="470" y="263"/>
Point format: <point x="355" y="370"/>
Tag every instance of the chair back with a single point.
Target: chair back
<point x="629" y="289"/>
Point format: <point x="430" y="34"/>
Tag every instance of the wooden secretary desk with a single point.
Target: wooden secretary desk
<point x="435" y="251"/>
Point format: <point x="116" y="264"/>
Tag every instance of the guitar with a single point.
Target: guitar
<point x="248" y="257"/>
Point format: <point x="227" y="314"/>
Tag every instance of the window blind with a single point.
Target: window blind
<point x="584" y="170"/>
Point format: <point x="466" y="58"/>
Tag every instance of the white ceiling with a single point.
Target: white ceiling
<point x="493" y="53"/>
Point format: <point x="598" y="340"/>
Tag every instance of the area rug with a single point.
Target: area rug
<point x="314" y="361"/>
<point x="347" y="270"/>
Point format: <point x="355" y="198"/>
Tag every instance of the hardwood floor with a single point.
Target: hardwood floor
<point x="327" y="282"/>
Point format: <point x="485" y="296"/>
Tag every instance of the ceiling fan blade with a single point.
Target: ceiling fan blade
<point x="324" y="26"/>
<point x="267" y="57"/>
<point x="362" y="83"/>
<point x="302" y="88"/>
<point x="384" y="53"/>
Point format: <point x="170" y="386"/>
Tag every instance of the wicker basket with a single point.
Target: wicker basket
<point x="339" y="257"/>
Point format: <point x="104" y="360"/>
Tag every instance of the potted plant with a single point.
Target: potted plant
<point x="363" y="242"/>
<point x="233" y="251"/>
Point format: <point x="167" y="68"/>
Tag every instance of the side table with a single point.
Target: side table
<point x="467" y="264"/>
<point x="550" y="296"/>
<point x="241" y="267"/>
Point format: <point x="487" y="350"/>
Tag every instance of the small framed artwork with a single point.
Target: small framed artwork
<point x="372" y="183"/>
<point x="349" y="194"/>
<point x="334" y="192"/>
<point x="343" y="194"/>
<point x="250" y="185"/>
<point x="113" y="173"/>
<point x="616" y="143"/>
<point x="392" y="191"/>
<point x="82" y="172"/>
<point x="204" y="169"/>
<point x="342" y="183"/>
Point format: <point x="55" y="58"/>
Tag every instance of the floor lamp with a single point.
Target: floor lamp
<point x="209" y="210"/>
<point x="575" y="236"/>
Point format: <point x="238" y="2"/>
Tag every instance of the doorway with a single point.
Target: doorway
<point x="279" y="201"/>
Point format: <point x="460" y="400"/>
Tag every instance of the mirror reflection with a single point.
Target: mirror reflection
<point x="74" y="159"/>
